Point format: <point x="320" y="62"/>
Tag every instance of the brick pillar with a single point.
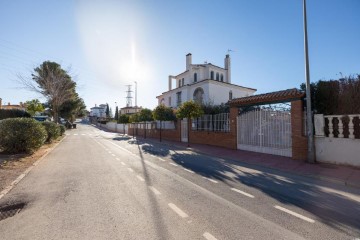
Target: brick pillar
<point x="299" y="140"/>
<point x="234" y="112"/>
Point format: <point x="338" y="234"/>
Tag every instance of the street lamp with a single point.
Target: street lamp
<point x="309" y="122"/>
<point x="135" y="95"/>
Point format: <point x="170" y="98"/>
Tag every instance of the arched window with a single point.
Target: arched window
<point x="198" y="95"/>
<point x="212" y="75"/>
<point x="230" y="95"/>
<point x="217" y="77"/>
<point x="195" y="77"/>
<point x="179" y="82"/>
<point x="222" y="77"/>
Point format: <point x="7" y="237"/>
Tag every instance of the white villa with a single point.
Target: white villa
<point x="203" y="83"/>
<point x="98" y="111"/>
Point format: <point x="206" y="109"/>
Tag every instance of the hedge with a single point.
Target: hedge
<point x="62" y="129"/>
<point x="21" y="135"/>
<point x="52" y="129"/>
<point x="13" y="113"/>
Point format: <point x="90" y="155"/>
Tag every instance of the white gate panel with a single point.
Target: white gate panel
<point x="184" y="130"/>
<point x="265" y="131"/>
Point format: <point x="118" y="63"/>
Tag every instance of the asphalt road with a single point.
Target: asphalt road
<point x="101" y="185"/>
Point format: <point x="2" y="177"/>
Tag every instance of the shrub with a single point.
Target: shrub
<point x="18" y="135"/>
<point x="52" y="129"/>
<point x="62" y="129"/>
<point x="13" y="113"/>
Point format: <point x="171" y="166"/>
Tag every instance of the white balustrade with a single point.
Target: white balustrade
<point x="331" y="130"/>
<point x="340" y="125"/>
<point x="351" y="127"/>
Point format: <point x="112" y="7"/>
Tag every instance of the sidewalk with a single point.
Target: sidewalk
<point x="349" y="176"/>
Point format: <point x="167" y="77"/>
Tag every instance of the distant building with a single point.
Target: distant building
<point x="203" y="83"/>
<point x="130" y="110"/>
<point x="21" y="106"/>
<point x="98" y="111"/>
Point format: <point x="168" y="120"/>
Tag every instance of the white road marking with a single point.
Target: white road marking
<point x="174" y="164"/>
<point x="295" y="214"/>
<point x="130" y="169"/>
<point x="75" y="134"/>
<point x="188" y="170"/>
<point x="211" y="180"/>
<point x="117" y="159"/>
<point x="157" y="192"/>
<point x="161" y="159"/>
<point x="123" y="163"/>
<point x="140" y="178"/>
<point x="113" y="155"/>
<point x="208" y="236"/>
<point x="83" y="134"/>
<point x="243" y="193"/>
<point x="180" y="212"/>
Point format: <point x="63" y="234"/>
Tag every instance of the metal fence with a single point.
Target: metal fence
<point x="217" y="123"/>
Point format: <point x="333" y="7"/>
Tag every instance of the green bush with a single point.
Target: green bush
<point x="13" y="113"/>
<point x="52" y="129"/>
<point x="62" y="129"/>
<point x="18" y="135"/>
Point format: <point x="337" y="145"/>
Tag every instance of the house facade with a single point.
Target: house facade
<point x="204" y="83"/>
<point x="130" y="110"/>
<point x="98" y="111"/>
<point x="21" y="106"/>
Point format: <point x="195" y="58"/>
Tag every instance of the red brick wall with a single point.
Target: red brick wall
<point x="220" y="139"/>
<point x="299" y="141"/>
<point x="166" y="134"/>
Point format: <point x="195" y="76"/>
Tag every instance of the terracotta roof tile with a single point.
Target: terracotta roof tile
<point x="284" y="95"/>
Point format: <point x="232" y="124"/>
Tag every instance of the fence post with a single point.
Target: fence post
<point x="351" y="127"/>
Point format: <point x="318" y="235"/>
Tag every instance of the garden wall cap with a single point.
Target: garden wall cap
<point x="283" y="95"/>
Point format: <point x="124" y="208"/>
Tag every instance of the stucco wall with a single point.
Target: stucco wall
<point x="338" y="150"/>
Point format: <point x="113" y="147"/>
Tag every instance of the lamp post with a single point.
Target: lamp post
<point x="309" y="122"/>
<point x="135" y="95"/>
<point x="116" y="116"/>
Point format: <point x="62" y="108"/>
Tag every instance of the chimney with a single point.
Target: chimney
<point x="0" y="103"/>
<point x="170" y="82"/>
<point x="188" y="61"/>
<point x="228" y="68"/>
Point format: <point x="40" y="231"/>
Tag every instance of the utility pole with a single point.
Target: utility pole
<point x="309" y="122"/>
<point x="135" y="94"/>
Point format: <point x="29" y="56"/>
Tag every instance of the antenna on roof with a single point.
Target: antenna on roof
<point x="230" y="50"/>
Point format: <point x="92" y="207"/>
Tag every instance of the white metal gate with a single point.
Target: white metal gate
<point x="184" y="130"/>
<point x="265" y="131"/>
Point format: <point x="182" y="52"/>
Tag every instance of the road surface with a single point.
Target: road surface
<point x="101" y="185"/>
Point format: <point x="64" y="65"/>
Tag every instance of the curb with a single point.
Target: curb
<point x="26" y="172"/>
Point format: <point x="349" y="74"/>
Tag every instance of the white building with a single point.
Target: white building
<point x="130" y="110"/>
<point x="203" y="83"/>
<point x="99" y="111"/>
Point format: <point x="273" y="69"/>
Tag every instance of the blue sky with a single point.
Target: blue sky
<point x="109" y="44"/>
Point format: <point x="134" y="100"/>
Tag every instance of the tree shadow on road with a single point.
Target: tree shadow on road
<point x="158" y="219"/>
<point x="335" y="210"/>
<point x="332" y="208"/>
